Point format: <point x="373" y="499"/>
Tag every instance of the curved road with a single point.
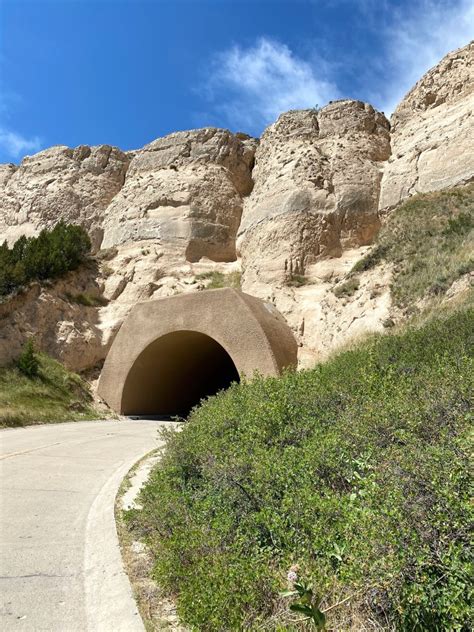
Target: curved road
<point x="60" y="563"/>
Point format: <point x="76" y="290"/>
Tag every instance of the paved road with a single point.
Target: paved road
<point x="60" y="564"/>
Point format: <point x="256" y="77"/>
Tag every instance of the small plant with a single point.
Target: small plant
<point x="459" y="225"/>
<point x="307" y="603"/>
<point x="296" y="280"/>
<point x="28" y="362"/>
<point x="88" y="300"/>
<point x="370" y="260"/>
<point x="349" y="288"/>
<point x="220" y="279"/>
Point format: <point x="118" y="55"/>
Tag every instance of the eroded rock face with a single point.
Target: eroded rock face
<point x="184" y="193"/>
<point x="433" y="132"/>
<point x="75" y="185"/>
<point x="193" y="202"/>
<point x="317" y="178"/>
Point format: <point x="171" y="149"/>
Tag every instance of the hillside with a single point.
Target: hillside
<point x="54" y="395"/>
<point x="353" y="474"/>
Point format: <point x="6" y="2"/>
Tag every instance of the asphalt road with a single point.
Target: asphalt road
<point x="60" y="563"/>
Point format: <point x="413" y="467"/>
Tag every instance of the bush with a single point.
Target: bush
<point x="50" y="255"/>
<point x="28" y="363"/>
<point x="356" y="472"/>
<point x="346" y="289"/>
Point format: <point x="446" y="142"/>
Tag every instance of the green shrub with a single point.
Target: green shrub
<point x="50" y="255"/>
<point x="348" y="288"/>
<point x="88" y="300"/>
<point x="28" y="362"/>
<point x="355" y="471"/>
<point x="296" y="280"/>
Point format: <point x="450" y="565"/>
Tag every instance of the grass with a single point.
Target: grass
<point x="346" y="289"/>
<point x="297" y="280"/>
<point x="429" y="240"/>
<point x="216" y="280"/>
<point x="86" y="299"/>
<point x="355" y="471"/>
<point x="55" y="395"/>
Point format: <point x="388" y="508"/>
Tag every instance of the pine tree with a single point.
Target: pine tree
<point x="28" y="362"/>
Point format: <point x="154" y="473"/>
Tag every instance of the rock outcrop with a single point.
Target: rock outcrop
<point x="293" y="212"/>
<point x="317" y="178"/>
<point x="76" y="185"/>
<point x="433" y="132"/>
<point x="184" y="192"/>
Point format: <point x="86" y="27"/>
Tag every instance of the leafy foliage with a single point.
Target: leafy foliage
<point x="356" y="471"/>
<point x="28" y="362"/>
<point x="50" y="255"/>
<point x="430" y="242"/>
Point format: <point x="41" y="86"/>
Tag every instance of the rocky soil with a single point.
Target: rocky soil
<point x="293" y="211"/>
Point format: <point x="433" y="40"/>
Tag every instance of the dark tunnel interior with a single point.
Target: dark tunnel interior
<point x="175" y="372"/>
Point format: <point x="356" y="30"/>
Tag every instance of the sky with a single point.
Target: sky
<point x="124" y="72"/>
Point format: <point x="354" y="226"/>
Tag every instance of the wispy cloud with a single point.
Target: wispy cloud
<point x="417" y="39"/>
<point x="250" y="87"/>
<point x="14" y="145"/>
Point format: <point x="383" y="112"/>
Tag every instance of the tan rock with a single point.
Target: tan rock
<point x="316" y="190"/>
<point x="75" y="185"/>
<point x="433" y="132"/>
<point x="184" y="193"/>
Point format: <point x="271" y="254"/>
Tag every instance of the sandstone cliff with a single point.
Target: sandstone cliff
<point x="433" y="132"/>
<point x="292" y="211"/>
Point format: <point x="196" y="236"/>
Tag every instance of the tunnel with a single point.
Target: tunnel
<point x="175" y="372"/>
<point x="172" y="352"/>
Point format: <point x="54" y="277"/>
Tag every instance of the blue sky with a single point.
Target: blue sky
<point x="124" y="72"/>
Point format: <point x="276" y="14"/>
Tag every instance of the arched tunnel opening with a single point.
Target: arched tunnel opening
<point x="175" y="372"/>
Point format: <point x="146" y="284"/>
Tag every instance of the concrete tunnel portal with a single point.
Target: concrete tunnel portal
<point x="175" y="372"/>
<point x="171" y="353"/>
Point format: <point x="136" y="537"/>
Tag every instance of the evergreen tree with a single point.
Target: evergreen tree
<point x="28" y="362"/>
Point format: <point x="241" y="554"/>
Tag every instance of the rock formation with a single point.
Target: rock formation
<point x="76" y="185"/>
<point x="192" y="202"/>
<point x="317" y="178"/>
<point x="433" y="132"/>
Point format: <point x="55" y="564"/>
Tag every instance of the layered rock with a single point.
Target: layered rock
<point x="194" y="202"/>
<point x="317" y="178"/>
<point x="433" y="132"/>
<point x="184" y="193"/>
<point x="155" y="213"/>
<point x="75" y="185"/>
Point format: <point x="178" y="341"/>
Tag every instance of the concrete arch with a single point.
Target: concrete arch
<point x="171" y="352"/>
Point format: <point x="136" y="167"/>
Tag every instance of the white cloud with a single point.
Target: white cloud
<point x="252" y="86"/>
<point x="15" y="145"/>
<point x="418" y="39"/>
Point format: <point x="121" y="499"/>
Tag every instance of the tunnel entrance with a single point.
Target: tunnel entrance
<point x="175" y="372"/>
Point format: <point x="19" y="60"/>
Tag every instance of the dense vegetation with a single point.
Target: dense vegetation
<point x="356" y="472"/>
<point x="40" y="390"/>
<point x="429" y="241"/>
<point x="50" y="255"/>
